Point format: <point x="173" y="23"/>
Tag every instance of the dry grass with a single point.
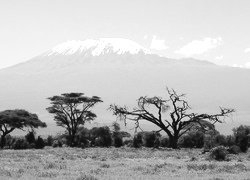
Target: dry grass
<point x="122" y="163"/>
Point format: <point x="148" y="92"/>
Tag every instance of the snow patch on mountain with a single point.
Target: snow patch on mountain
<point x="99" y="47"/>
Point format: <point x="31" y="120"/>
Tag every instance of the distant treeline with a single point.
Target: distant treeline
<point x="112" y="136"/>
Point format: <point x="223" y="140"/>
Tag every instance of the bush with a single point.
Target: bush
<point x="49" y="141"/>
<point x="101" y="136"/>
<point x="82" y="137"/>
<point x="31" y="146"/>
<point x="209" y="142"/>
<point x="218" y="153"/>
<point x="60" y="139"/>
<point x="234" y="149"/>
<point x="241" y="135"/>
<point x="164" y="142"/>
<point x="220" y="140"/>
<point x="187" y="141"/>
<point x="30" y="137"/>
<point x="230" y="139"/>
<point x="137" y="141"/>
<point x="149" y="139"/>
<point x="20" y="144"/>
<point x="39" y="143"/>
<point x="243" y="144"/>
<point x="9" y="141"/>
<point x="128" y="142"/>
<point x="104" y="141"/>
<point x="56" y="143"/>
<point x="118" y="141"/>
<point x="209" y="139"/>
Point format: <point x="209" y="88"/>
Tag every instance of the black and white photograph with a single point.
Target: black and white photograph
<point x="124" y="89"/>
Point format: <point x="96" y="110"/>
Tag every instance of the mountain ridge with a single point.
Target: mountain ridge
<point x="105" y="52"/>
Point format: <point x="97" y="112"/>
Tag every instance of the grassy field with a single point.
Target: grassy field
<point x="122" y="163"/>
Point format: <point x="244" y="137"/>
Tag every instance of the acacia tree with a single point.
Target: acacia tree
<point x="179" y="121"/>
<point x="71" y="111"/>
<point x="17" y="119"/>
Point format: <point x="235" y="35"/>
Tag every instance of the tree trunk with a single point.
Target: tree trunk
<point x="3" y="141"/>
<point x="173" y="142"/>
<point x="72" y="139"/>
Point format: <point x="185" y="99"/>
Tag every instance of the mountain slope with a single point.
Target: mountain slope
<point x="122" y="78"/>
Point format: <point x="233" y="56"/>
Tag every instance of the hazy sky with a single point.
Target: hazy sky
<point x="213" y="30"/>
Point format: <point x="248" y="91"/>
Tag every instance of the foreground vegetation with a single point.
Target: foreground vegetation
<point x="108" y="153"/>
<point x="119" y="163"/>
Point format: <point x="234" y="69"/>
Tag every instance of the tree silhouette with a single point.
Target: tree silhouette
<point x="17" y="119"/>
<point x="179" y="122"/>
<point x="72" y="110"/>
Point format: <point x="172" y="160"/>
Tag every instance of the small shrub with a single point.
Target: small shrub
<point x="218" y="153"/>
<point x="241" y="135"/>
<point x="31" y="146"/>
<point x="137" y="141"/>
<point x="86" y="177"/>
<point x="39" y="143"/>
<point x="104" y="165"/>
<point x="193" y="158"/>
<point x="209" y="142"/>
<point x="149" y="139"/>
<point x="104" y="141"/>
<point x="164" y="142"/>
<point x="201" y="167"/>
<point x="48" y="174"/>
<point x="101" y="136"/>
<point x="20" y="144"/>
<point x="187" y="141"/>
<point x="9" y="141"/>
<point x="220" y="140"/>
<point x="243" y="144"/>
<point x="49" y="141"/>
<point x="230" y="140"/>
<point x="50" y="165"/>
<point x="128" y="142"/>
<point x="56" y="143"/>
<point x="30" y="137"/>
<point x="233" y="168"/>
<point x="118" y="141"/>
<point x="193" y="138"/>
<point x="234" y="149"/>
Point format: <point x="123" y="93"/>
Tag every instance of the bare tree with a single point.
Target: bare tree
<point x="72" y="110"/>
<point x="179" y="122"/>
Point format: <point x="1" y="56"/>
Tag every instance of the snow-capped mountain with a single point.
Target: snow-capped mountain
<point x="120" y="71"/>
<point x="99" y="47"/>
<point x="104" y="52"/>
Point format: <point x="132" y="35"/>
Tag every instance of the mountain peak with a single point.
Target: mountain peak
<point x="98" y="47"/>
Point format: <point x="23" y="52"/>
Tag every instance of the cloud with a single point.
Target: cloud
<point x="247" y="50"/>
<point x="219" y="57"/>
<point x="246" y="65"/>
<point x="237" y="65"/>
<point x="145" y="37"/>
<point x="158" y="44"/>
<point x="200" y="46"/>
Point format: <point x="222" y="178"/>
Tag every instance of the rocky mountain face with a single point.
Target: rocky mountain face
<point x="120" y="71"/>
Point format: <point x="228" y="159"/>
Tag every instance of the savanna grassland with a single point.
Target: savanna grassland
<point x="119" y="163"/>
